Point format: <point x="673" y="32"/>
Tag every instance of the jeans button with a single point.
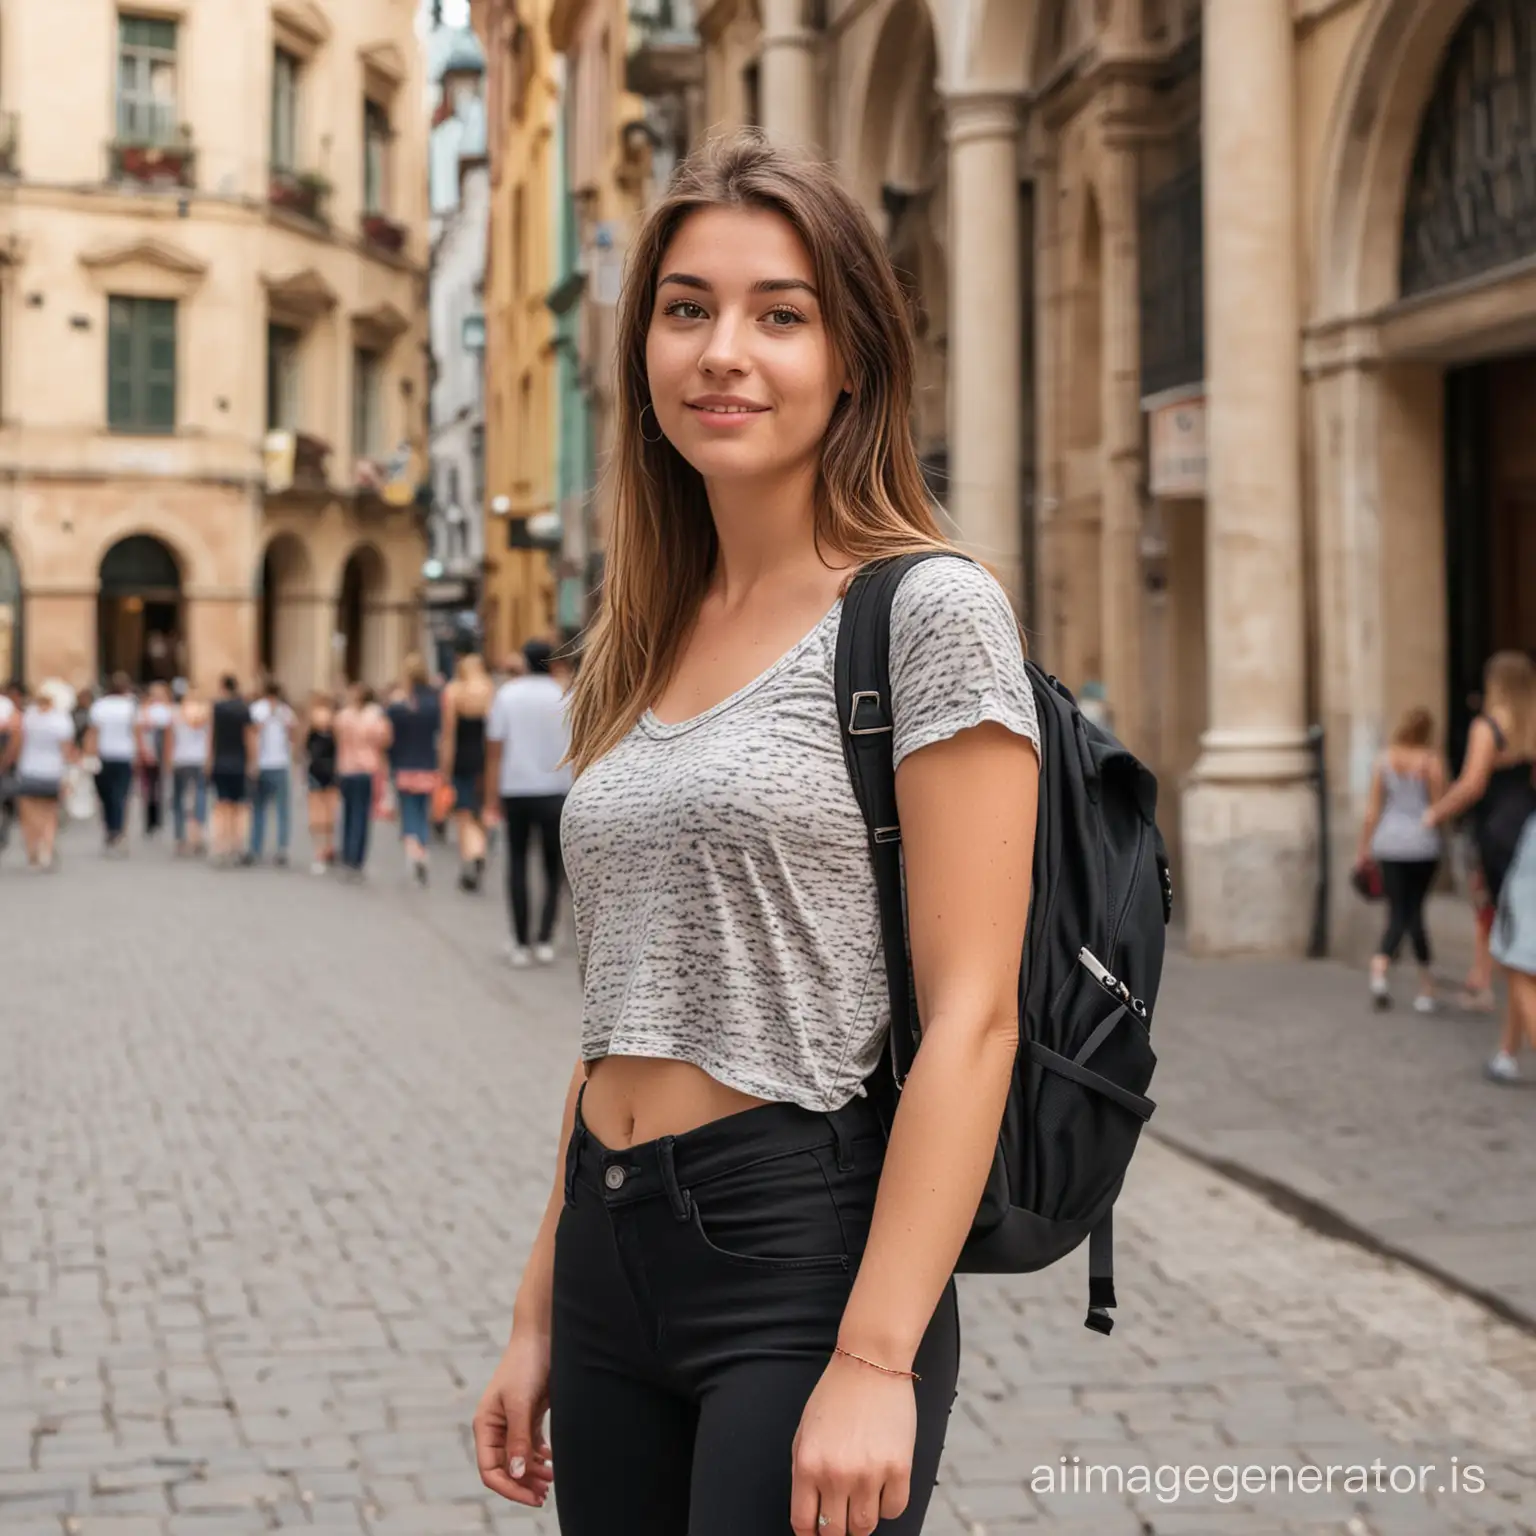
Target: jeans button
<point x="614" y="1178"/>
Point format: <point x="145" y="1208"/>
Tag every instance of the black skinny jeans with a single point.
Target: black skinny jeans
<point x="1406" y="883"/>
<point x="698" y="1287"/>
<point x="524" y="815"/>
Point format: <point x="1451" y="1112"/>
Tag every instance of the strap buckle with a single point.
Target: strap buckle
<point x="854" y="728"/>
<point x="887" y="834"/>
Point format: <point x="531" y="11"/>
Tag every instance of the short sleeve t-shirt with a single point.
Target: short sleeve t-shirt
<point x="528" y="718"/>
<point x="114" y="718"/>
<point x="44" y="735"/>
<point x="274" y="721"/>
<point x="230" y="719"/>
<point x="725" y="905"/>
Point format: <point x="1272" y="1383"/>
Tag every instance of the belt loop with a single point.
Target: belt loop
<point x="682" y="1201"/>
<point x="844" y="1135"/>
<point x="573" y="1148"/>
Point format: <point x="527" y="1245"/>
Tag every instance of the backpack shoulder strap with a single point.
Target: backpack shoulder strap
<point x="862" y="675"/>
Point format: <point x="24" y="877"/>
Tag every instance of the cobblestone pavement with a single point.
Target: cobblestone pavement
<point x="271" y="1151"/>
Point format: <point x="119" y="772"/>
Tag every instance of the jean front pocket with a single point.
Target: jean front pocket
<point x="775" y="1215"/>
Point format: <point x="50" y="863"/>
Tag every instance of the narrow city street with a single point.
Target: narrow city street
<point x="272" y="1150"/>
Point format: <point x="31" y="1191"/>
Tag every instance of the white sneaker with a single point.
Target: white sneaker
<point x="1424" y="1003"/>
<point x="544" y="954"/>
<point x="1502" y="1068"/>
<point x="1381" y="993"/>
<point x="319" y="867"/>
<point x="520" y="957"/>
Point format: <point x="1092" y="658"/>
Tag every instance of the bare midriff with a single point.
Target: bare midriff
<point x="630" y="1099"/>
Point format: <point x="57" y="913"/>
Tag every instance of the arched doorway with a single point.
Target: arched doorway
<point x="12" y="661"/>
<point x="285" y="643"/>
<point x="140" y="625"/>
<point x="360" y="616"/>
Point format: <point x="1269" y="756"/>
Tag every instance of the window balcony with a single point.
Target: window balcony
<point x="10" y="136"/>
<point x="302" y="193"/>
<point x="169" y="164"/>
<point x="296" y="463"/>
<point x="383" y="233"/>
<point x="665" y="55"/>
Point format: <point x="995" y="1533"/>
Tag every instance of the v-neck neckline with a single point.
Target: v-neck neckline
<point x="662" y="729"/>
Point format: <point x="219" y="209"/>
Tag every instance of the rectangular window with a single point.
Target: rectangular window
<point x="367" y="404"/>
<point x="376" y="137"/>
<point x="141" y="364"/>
<point x="519" y="240"/>
<point x="146" y="80"/>
<point x="285" y="110"/>
<point x="282" y="378"/>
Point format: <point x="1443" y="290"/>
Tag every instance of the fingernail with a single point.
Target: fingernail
<point x="519" y="1466"/>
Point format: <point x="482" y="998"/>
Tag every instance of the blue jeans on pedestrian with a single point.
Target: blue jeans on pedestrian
<point x="413" y="815"/>
<point x="184" y="779"/>
<point x="112" y="784"/>
<point x="271" y="784"/>
<point x="356" y="807"/>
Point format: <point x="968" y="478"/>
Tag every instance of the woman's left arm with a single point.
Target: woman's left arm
<point x="967" y="806"/>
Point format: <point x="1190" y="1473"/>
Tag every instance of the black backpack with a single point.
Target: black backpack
<point x="1101" y="897"/>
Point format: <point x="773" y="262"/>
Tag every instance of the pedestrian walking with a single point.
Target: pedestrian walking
<point x="276" y="725"/>
<point x="363" y="736"/>
<point x="154" y="728"/>
<point x="529" y="744"/>
<point x="231" y="767"/>
<point x="189" y="775"/>
<point x="1496" y="785"/>
<point x="10" y="725"/>
<point x="112" y="740"/>
<point x="466" y="704"/>
<point x="1405" y="780"/>
<point x="41" y="749"/>
<point x="740" y="1313"/>
<point x="415" y="719"/>
<point x="324" y="797"/>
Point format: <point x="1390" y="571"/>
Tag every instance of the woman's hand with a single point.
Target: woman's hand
<point x="510" y="1447"/>
<point x="853" y="1451"/>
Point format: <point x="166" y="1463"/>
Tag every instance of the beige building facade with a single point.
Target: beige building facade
<point x="212" y="373"/>
<point x="1228" y="368"/>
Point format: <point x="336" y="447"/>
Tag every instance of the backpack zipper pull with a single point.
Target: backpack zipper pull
<point x="1111" y="983"/>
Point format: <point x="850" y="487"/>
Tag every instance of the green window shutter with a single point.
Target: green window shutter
<point x="120" y="391"/>
<point x="159" y="368"/>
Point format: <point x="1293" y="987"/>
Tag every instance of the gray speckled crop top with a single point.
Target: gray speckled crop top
<point x="725" y="907"/>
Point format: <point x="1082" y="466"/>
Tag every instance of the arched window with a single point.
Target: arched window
<point x="1471" y="203"/>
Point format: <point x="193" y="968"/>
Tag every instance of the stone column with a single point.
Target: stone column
<point x="986" y="349"/>
<point x="787" y="75"/>
<point x="1250" y="812"/>
<point x="1120" y="582"/>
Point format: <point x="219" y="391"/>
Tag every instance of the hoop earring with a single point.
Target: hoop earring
<point x="660" y="435"/>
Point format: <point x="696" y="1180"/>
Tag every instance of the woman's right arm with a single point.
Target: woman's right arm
<point x="510" y="1444"/>
<point x="445" y="733"/>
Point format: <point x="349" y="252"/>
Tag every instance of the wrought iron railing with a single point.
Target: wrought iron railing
<point x="169" y="163"/>
<point x="304" y="193"/>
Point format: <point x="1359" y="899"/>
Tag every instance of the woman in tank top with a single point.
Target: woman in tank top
<point x="324" y="797"/>
<point x="740" y="1308"/>
<point x="189" y="780"/>
<point x="1496" y="785"/>
<point x="466" y="703"/>
<point x="1407" y="777"/>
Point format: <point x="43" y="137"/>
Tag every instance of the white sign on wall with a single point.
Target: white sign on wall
<point x="1176" y="446"/>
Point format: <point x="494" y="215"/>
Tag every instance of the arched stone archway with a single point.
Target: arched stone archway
<point x="285" y="647"/>
<point x="12" y="636"/>
<point x="141" y="612"/>
<point x="360" y="617"/>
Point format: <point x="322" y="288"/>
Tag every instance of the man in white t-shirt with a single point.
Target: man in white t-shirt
<point x="528" y="738"/>
<point x="274" y="722"/>
<point x="112" y="739"/>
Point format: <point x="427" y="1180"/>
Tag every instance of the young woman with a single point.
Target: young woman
<point x="42" y="749"/>
<point x="324" y="797"/>
<point x="363" y="737"/>
<point x="739" y="1306"/>
<point x="1407" y="777"/>
<point x="1496" y="785"/>
<point x="415" y="719"/>
<point x="189" y="762"/>
<point x="154" y="730"/>
<point x="466" y="703"/>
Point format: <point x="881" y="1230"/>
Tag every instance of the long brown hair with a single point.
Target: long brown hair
<point x="1509" y="694"/>
<point x="871" y="500"/>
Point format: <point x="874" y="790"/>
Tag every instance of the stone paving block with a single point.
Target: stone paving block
<point x="432" y="1520"/>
